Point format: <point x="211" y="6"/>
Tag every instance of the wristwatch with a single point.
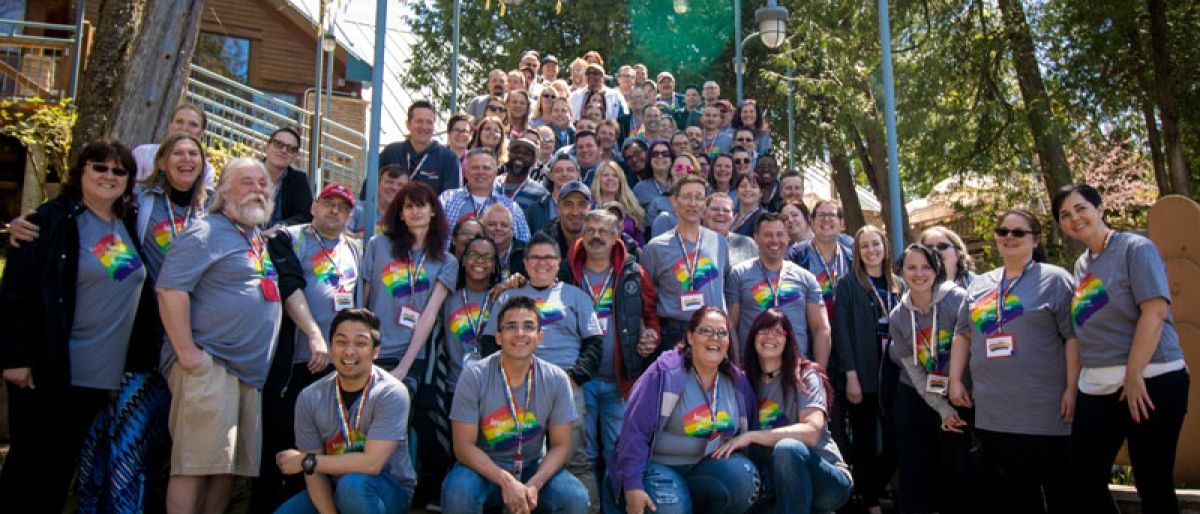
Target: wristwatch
<point x="309" y="464"/>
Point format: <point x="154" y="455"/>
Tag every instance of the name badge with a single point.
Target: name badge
<point x="691" y="301"/>
<point x="408" y="317"/>
<point x="270" y="291"/>
<point x="342" y="300"/>
<point x="603" y="325"/>
<point x="937" y="384"/>
<point x="713" y="443"/>
<point x="999" y="346"/>
<point x="471" y="355"/>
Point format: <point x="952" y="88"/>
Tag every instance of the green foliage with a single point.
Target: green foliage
<point x="216" y="153"/>
<point x="37" y="123"/>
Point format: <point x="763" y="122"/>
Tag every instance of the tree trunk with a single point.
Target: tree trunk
<point x="1052" y="159"/>
<point x="874" y="155"/>
<point x="137" y="69"/>
<point x="1164" y="89"/>
<point x="843" y="181"/>
<point x="1146" y="103"/>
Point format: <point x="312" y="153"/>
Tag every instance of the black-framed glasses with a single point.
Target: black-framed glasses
<point x="712" y="333"/>
<point x="741" y="161"/>
<point x="476" y="256"/>
<point x="104" y="168"/>
<point x="285" y="147"/>
<point x="1016" y="232"/>
<point x="658" y="154"/>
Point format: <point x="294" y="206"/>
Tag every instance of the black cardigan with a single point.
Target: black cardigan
<point x="855" y="346"/>
<point x="293" y="201"/>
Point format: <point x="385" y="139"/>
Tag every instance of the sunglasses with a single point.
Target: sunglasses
<point x="497" y="108"/>
<point x="741" y="161"/>
<point x="683" y="168"/>
<point x="660" y="154"/>
<point x="1016" y="232"/>
<point x="104" y="168"/>
<point x="284" y="146"/>
<point x="549" y="96"/>
<point x="941" y="247"/>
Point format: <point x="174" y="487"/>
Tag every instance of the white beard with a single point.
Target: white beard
<point x="252" y="213"/>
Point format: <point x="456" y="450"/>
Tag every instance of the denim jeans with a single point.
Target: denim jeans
<point x="358" y="493"/>
<point x="465" y="491"/>
<point x="1102" y="423"/>
<point x="711" y="486"/>
<point x="801" y="481"/>
<point x="602" y="422"/>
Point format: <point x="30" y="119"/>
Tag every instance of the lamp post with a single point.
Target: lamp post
<point x="314" y="132"/>
<point x="889" y="103"/>
<point x="454" y="57"/>
<point x="329" y="45"/>
<point x="772" y="27"/>
<point x="374" y="132"/>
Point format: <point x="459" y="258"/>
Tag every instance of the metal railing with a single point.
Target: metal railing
<point x="241" y="115"/>
<point x="35" y="65"/>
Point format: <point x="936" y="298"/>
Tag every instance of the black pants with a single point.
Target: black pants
<point x="47" y="428"/>
<point x="939" y="471"/>
<point x="871" y="453"/>
<point x="1102" y="423"/>
<point x="1031" y="472"/>
<point x="271" y="488"/>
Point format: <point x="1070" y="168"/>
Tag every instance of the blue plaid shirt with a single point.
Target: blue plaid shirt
<point x="459" y="205"/>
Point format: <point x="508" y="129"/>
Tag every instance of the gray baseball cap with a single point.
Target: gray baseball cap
<point x="574" y="186"/>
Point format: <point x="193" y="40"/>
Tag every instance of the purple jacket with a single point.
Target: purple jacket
<point x="650" y="404"/>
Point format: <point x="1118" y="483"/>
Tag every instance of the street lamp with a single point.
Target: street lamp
<point x="681" y="6"/>
<point x="772" y="25"/>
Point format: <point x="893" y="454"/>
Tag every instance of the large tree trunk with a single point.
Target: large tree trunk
<point x="137" y="69"/>
<point x="843" y="182"/>
<point x="1146" y="103"/>
<point x="1051" y="157"/>
<point x="875" y="162"/>
<point x="1164" y="89"/>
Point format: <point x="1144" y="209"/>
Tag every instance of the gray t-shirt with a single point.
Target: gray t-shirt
<point x="330" y="271"/>
<point x="1021" y="394"/>
<point x="479" y="399"/>
<point x="160" y="232"/>
<point x="672" y="272"/>
<point x="358" y="221"/>
<point x="691" y="424"/>
<point x="602" y="296"/>
<point x="384" y="417"/>
<point x="107" y="289"/>
<point x="775" y="411"/>
<point x="232" y="318"/>
<point x="392" y="288"/>
<point x="1108" y="290"/>
<point x="567" y="317"/>
<point x="465" y="314"/>
<point x="948" y="323"/>
<point x="646" y="190"/>
<point x="755" y="289"/>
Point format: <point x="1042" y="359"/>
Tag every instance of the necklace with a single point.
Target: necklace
<point x="772" y="374"/>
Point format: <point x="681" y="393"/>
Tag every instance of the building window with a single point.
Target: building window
<point x="224" y="55"/>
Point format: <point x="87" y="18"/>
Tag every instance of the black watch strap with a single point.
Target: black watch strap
<point x="309" y="464"/>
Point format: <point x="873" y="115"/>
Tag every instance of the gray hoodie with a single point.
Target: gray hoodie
<point x="947" y="301"/>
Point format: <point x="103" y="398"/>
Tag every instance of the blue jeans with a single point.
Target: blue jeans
<point x="802" y="481"/>
<point x="356" y="493"/>
<point x="602" y="418"/>
<point x="712" y="486"/>
<point x="465" y="491"/>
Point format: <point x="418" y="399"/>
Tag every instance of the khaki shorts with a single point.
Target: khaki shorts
<point x="215" y="423"/>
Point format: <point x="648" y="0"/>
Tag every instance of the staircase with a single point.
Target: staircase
<point x="241" y="117"/>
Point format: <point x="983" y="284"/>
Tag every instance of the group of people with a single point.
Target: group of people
<point x="521" y="329"/>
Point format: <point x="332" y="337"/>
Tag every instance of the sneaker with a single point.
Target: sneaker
<point x="434" y="505"/>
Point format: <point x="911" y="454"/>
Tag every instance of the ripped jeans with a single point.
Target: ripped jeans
<point x="711" y="486"/>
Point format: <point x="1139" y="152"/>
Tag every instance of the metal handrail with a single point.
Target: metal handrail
<point x="38" y="25"/>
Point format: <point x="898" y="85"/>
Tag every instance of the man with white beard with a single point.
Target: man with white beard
<point x="219" y="299"/>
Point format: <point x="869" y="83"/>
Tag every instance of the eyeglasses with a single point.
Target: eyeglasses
<point x="692" y="198"/>
<point x="711" y="333"/>
<point x="513" y="326"/>
<point x="745" y="140"/>
<point x="541" y="258"/>
<point x="597" y="231"/>
<point x="658" y="154"/>
<point x="104" y="168"/>
<point x="284" y="146"/>
<point x="476" y="256"/>
<point x="684" y="168"/>
<point x="334" y="204"/>
<point x="1016" y="232"/>
<point x="941" y="247"/>
<point x="497" y="108"/>
<point x="741" y="161"/>
<point x="550" y="96"/>
<point x="461" y="131"/>
<point x="775" y="331"/>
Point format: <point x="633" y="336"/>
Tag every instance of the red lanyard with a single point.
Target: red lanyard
<point x="512" y="411"/>
<point x="343" y="419"/>
<point x="690" y="262"/>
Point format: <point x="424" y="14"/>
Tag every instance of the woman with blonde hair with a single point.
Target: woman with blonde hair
<point x="960" y="267"/>
<point x="519" y="106"/>
<point x="489" y="132"/>
<point x="609" y="185"/>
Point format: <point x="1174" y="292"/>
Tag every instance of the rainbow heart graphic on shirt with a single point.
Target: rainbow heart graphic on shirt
<point x="550" y="312"/>
<point x="604" y="306"/>
<point x="705" y="272"/>
<point x="118" y="260"/>
<point x="699" y="422"/>
<point x="162" y="232"/>
<point x="500" y="432"/>
<point x="826" y="283"/>
<point x="395" y="278"/>
<point x="770" y="414"/>
<point x="943" y="350"/>
<point x="763" y="297"/>
<point x="460" y="322"/>
<point x="1089" y="298"/>
<point x="322" y="266"/>
<point x="336" y="445"/>
<point x="983" y="312"/>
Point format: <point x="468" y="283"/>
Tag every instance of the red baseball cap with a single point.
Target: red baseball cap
<point x="338" y="191"/>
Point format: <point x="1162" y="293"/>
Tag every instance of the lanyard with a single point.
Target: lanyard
<point x="476" y="324"/>
<point x="773" y="287"/>
<point x="171" y="214"/>
<point x="591" y="290"/>
<point x="258" y="251"/>
<point x="1107" y="239"/>
<point x="416" y="169"/>
<point x="742" y="220"/>
<point x="328" y="253"/>
<point x="712" y="404"/>
<point x="512" y="410"/>
<point x="414" y="274"/>
<point x="931" y="340"/>
<point x="1002" y="293"/>
<point x="689" y="262"/>
<point x="478" y="209"/>
<point x="885" y="306"/>
<point x="341" y="406"/>
<point x="836" y="271"/>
